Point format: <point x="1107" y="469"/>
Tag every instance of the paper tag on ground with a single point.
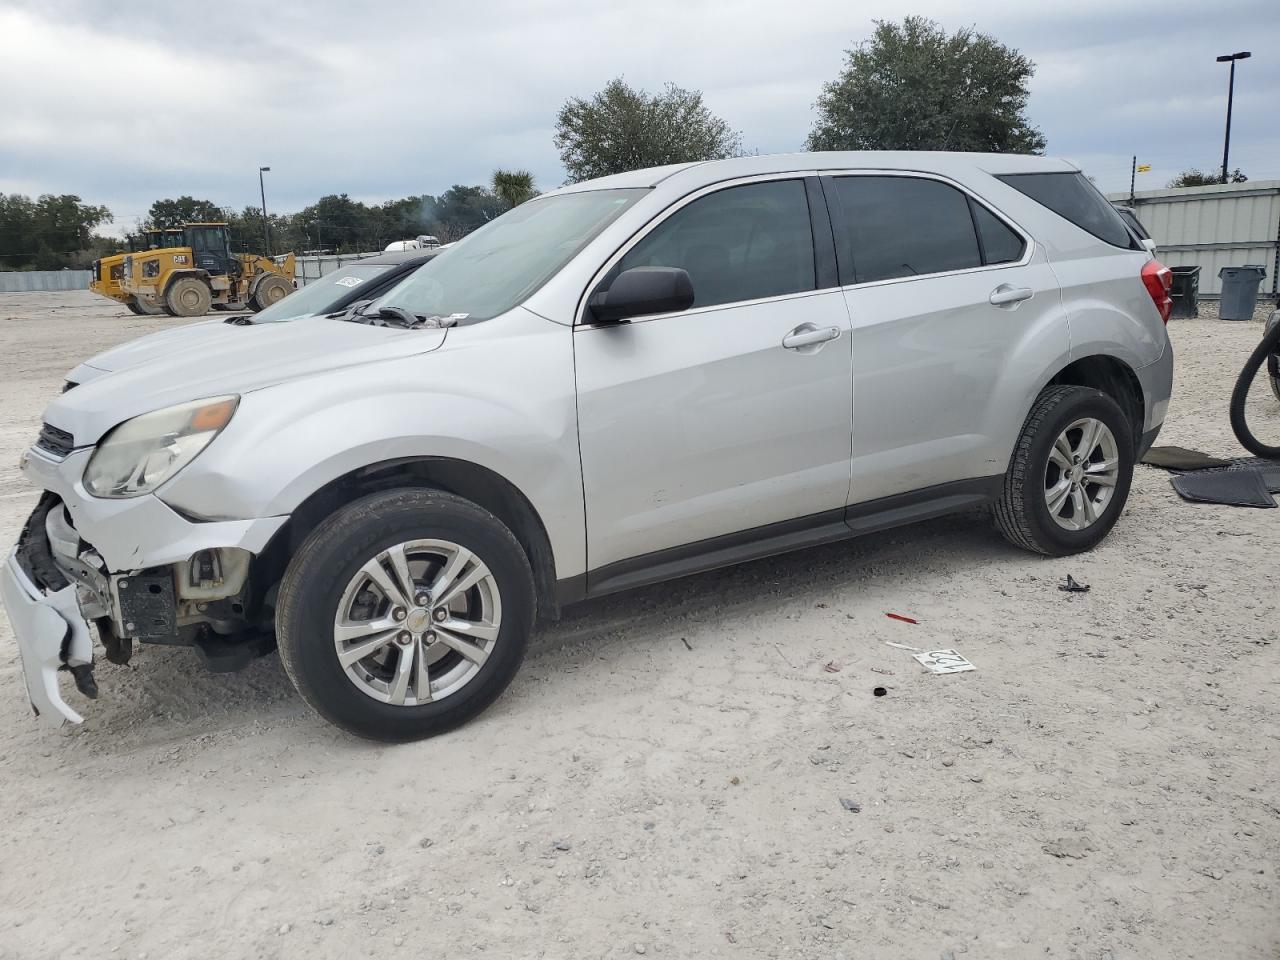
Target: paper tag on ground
<point x="943" y="661"/>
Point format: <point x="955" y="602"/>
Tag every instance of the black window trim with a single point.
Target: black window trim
<point x="838" y="221"/>
<point x="821" y="270"/>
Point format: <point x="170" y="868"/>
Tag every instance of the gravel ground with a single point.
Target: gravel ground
<point x="665" y="776"/>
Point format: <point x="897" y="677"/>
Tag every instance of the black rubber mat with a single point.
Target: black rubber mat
<point x="1237" y="488"/>
<point x="1270" y="470"/>
<point x="1180" y="458"/>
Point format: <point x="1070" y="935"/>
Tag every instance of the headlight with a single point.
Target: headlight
<point x="142" y="453"/>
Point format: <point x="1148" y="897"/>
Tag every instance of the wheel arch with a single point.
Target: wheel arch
<point x="176" y="275"/>
<point x="1113" y="377"/>
<point x="481" y="485"/>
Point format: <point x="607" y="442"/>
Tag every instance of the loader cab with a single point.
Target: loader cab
<point x="210" y="245"/>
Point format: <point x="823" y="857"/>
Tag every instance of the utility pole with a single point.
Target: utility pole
<point x="1133" y="178"/>
<point x="1231" y="90"/>
<point x="266" y="226"/>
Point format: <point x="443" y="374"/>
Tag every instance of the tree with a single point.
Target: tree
<point x="1196" y="177"/>
<point x="914" y="87"/>
<point x="49" y="232"/>
<point x="175" y="213"/>
<point x="513" y="187"/>
<point x="621" y="128"/>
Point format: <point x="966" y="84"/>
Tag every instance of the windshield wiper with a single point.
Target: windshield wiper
<point x="392" y="317"/>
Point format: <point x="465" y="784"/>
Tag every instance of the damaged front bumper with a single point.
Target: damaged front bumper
<point x="77" y="554"/>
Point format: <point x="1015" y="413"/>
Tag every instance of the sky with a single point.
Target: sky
<point x="126" y="103"/>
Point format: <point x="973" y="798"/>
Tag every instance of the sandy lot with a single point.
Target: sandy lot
<point x="665" y="776"/>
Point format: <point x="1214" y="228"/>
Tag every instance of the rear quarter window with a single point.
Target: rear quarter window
<point x="1072" y="197"/>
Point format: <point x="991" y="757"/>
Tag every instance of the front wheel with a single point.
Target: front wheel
<point x="1070" y="473"/>
<point x="405" y="614"/>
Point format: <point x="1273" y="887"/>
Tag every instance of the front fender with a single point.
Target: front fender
<point x="499" y="394"/>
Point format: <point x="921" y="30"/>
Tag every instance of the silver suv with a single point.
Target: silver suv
<point x="619" y="382"/>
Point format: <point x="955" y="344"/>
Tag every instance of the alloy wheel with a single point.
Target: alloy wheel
<point x="1082" y="473"/>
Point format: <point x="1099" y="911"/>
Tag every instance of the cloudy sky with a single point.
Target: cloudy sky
<point x="123" y="103"/>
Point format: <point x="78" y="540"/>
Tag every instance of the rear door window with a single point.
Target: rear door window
<point x="904" y="227"/>
<point x="1000" y="243"/>
<point x="741" y="243"/>
<point x="1072" y="197"/>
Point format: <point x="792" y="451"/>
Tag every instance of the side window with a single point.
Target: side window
<point x="1000" y="244"/>
<point x="740" y="243"/>
<point x="1072" y="197"/>
<point x="905" y="227"/>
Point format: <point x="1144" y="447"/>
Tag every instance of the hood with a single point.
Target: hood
<point x="233" y="360"/>
<point x="192" y="336"/>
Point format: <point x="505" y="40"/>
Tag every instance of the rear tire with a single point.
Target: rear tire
<point x="188" y="297"/>
<point x="327" y="595"/>
<point x="132" y="304"/>
<point x="1070" y="473"/>
<point x="271" y="290"/>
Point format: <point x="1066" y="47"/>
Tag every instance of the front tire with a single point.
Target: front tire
<point x="271" y="290"/>
<point x="405" y="614"/>
<point x="1070" y="473"/>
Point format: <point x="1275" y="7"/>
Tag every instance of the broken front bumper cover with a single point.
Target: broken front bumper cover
<point x="51" y="633"/>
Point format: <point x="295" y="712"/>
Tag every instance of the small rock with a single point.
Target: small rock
<point x="851" y="805"/>
<point x="425" y="842"/>
<point x="975" y="779"/>
<point x="639" y="948"/>
<point x="561" y="845"/>
<point x="948" y="762"/>
<point x="398" y="941"/>
<point x="649" y="824"/>
<point x="735" y="781"/>
<point x="284" y="928"/>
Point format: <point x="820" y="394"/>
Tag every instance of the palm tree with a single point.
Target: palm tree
<point x="513" y="187"/>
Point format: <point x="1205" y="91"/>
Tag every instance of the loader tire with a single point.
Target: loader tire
<point x="271" y="290"/>
<point x="143" y="308"/>
<point x="188" y="297"/>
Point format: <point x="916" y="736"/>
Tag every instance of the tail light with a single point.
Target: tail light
<point x="1158" y="279"/>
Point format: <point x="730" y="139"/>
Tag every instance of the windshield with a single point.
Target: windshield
<point x="499" y="265"/>
<point x="323" y="295"/>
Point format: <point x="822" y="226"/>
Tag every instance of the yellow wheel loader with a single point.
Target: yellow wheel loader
<point x="108" y="272"/>
<point x="203" y="273"/>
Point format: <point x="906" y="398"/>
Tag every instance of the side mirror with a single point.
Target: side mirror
<point x="641" y="291"/>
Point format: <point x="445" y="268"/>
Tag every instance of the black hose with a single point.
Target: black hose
<point x="1270" y="344"/>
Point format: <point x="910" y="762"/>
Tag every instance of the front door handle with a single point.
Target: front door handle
<point x="1006" y="295"/>
<point x="807" y="335"/>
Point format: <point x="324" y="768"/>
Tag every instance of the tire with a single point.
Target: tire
<point x="323" y="582"/>
<point x="188" y="297"/>
<point x="1023" y="514"/>
<point x="271" y="290"/>
<point x="142" y="308"/>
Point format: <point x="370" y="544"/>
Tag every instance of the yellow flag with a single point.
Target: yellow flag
<point x="1144" y="168"/>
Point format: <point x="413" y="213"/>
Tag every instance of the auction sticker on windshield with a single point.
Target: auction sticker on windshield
<point x="350" y="281"/>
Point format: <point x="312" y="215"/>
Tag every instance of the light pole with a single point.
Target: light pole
<point x="1231" y="91"/>
<point x="266" y="227"/>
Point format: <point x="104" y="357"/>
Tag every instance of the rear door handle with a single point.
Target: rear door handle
<point x="807" y="335"/>
<point x="1006" y="295"/>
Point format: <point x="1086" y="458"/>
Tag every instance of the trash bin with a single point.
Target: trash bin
<point x="1185" y="291"/>
<point x="1240" y="291"/>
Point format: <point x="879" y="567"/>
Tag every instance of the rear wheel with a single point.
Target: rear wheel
<point x="132" y="304"/>
<point x="1070" y="473"/>
<point x="271" y="290"/>
<point x="405" y="614"/>
<point x="188" y="297"/>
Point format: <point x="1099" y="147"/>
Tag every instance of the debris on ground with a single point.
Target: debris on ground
<point x="735" y="781"/>
<point x="879" y="692"/>
<point x="903" y="646"/>
<point x="562" y="845"/>
<point x="851" y="805"/>
<point x="687" y="645"/>
<point x="898" y="616"/>
<point x="1073" y="848"/>
<point x="832" y="667"/>
<point x="887" y="673"/>
<point x="943" y="661"/>
<point x="1181" y="458"/>
<point x="1073" y="586"/>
